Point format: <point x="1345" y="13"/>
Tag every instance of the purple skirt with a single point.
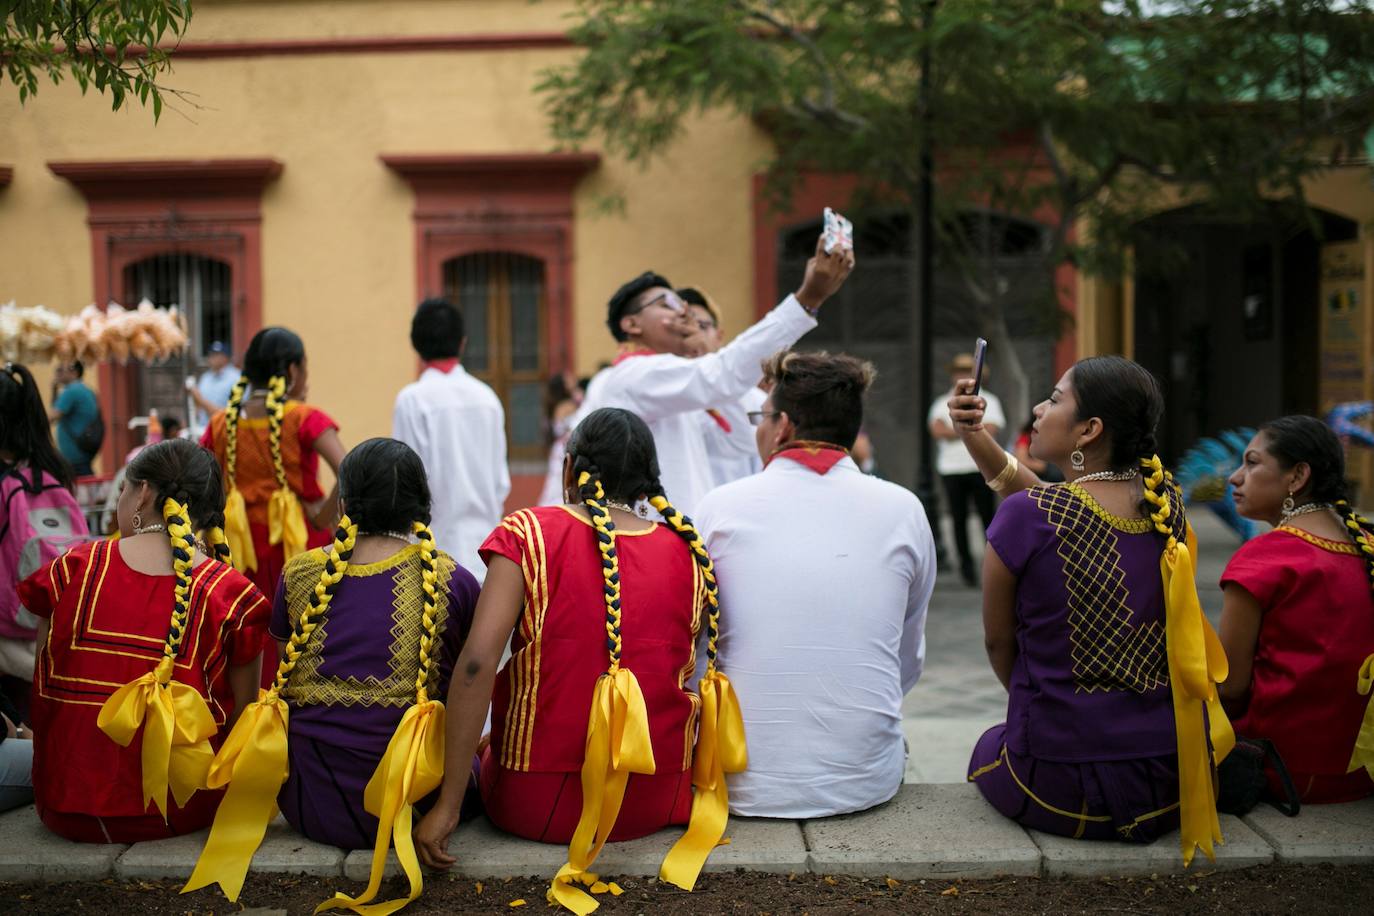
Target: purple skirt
<point x="1131" y="800"/>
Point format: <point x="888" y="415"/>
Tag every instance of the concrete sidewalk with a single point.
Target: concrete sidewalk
<point x="927" y="831"/>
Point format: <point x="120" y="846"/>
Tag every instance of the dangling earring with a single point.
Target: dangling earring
<point x="1288" y="504"/>
<point x="1076" y="459"/>
<point x="138" y="520"/>
<point x="642" y="509"/>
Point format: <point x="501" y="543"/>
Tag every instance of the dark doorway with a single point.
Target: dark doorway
<point x="1227" y="318"/>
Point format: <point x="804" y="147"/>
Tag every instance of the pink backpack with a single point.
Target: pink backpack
<point x="39" y="521"/>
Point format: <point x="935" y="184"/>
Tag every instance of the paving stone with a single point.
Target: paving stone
<point x="29" y="852"/>
<point x="1066" y="857"/>
<point x="756" y="844"/>
<point x="926" y="831"/>
<point x="1341" y="834"/>
<point x="283" y="852"/>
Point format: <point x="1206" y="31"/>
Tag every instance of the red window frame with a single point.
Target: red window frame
<point x="140" y="208"/>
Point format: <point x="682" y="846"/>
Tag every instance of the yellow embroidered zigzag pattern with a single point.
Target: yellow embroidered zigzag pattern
<point x="1108" y="652"/>
<point x="397" y="689"/>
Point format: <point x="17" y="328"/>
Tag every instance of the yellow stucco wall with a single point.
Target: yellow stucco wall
<point x="338" y="259"/>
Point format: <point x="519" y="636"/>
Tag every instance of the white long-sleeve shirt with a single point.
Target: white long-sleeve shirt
<point x="824" y="582"/>
<point x="734" y="454"/>
<point x="670" y="393"/>
<point x="457" y="426"/>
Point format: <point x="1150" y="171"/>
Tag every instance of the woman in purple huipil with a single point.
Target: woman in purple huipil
<point x="1074" y="611"/>
<point x="357" y="674"/>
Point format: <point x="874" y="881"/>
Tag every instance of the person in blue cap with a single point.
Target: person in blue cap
<point x="211" y="391"/>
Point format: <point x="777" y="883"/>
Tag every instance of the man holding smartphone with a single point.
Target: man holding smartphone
<point x="958" y="472"/>
<point x="655" y="379"/>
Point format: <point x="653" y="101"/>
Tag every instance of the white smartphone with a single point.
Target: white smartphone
<point x="980" y="352"/>
<point x="839" y="232"/>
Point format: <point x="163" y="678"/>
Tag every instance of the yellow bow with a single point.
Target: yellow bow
<point x="285" y="522"/>
<point x="253" y="763"/>
<point x="720" y="749"/>
<point x="1363" y="754"/>
<point x="411" y="768"/>
<point x="177" y="727"/>
<point x="1197" y="663"/>
<point x="618" y="744"/>
<point x="237" y="533"/>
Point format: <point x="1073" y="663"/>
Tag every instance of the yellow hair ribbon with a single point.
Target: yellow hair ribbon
<point x="176" y="722"/>
<point x="720" y="746"/>
<point x="1363" y="754"/>
<point x="618" y="737"/>
<point x="720" y="749"/>
<point x="618" y="744"/>
<point x="1197" y="663"/>
<point x="411" y="768"/>
<point x="253" y="762"/>
<point x="237" y="533"/>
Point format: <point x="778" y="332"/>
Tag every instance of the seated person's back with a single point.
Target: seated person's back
<point x="1297" y="619"/>
<point x="825" y="575"/>
<point x="356" y="675"/>
<point x="107" y="606"/>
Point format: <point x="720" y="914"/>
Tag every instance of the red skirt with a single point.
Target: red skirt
<point x="546" y="806"/>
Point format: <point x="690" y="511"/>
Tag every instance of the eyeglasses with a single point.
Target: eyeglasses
<point x="756" y="416"/>
<point x="669" y="300"/>
<point x="705" y="324"/>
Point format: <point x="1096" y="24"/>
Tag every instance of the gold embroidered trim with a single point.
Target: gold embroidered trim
<point x="1107" y="650"/>
<point x="1318" y="541"/>
<point x="1119" y="522"/>
<point x="397" y="689"/>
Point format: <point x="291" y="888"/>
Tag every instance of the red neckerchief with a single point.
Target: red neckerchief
<point x="631" y="354"/>
<point x="443" y="365"/>
<point x="816" y="456"/>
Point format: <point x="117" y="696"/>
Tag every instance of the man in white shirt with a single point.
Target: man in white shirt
<point x="211" y="391"/>
<point x="825" y="574"/>
<point x="456" y="425"/>
<point x="962" y="481"/>
<point x="669" y="391"/>
<point x="729" y="437"/>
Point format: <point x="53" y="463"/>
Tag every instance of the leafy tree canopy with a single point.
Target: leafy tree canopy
<point x="111" y="45"/>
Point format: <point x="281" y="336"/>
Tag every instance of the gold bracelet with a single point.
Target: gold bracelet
<point x="999" y="483"/>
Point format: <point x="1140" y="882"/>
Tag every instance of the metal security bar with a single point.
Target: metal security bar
<point x="201" y="288"/>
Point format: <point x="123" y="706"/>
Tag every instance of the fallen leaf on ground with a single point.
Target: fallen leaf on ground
<point x="893" y="884"/>
<point x="479" y="887"/>
<point x="831" y="881"/>
<point x="951" y="891"/>
<point x="515" y="903"/>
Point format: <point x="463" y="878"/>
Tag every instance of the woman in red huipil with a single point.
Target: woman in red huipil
<point x="1298" y="615"/>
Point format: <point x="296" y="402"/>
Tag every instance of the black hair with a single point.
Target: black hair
<point x="625" y="300"/>
<point x="693" y="296"/>
<point x="437" y="330"/>
<point x="1306" y="440"/>
<point x="24" y="429"/>
<point x="383" y="486"/>
<point x="822" y="395"/>
<point x="270" y="353"/>
<point x="616" y="447"/>
<point x="1127" y="399"/>
<point x="78" y="368"/>
<point x="171" y="426"/>
<point x="180" y="469"/>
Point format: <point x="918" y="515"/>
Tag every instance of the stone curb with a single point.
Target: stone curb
<point x="927" y="831"/>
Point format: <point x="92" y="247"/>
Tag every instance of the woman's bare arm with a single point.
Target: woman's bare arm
<point x="999" y="615"/>
<point x="966" y="412"/>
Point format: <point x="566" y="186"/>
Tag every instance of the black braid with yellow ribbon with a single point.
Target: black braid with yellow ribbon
<point x="276" y="413"/>
<point x="176" y="722"/>
<point x="618" y="738"/>
<point x="1197" y="663"/>
<point x="1362" y="533"/>
<point x="413" y="764"/>
<point x="218" y="544"/>
<point x="721" y="746"/>
<point x="253" y="760"/>
<point x="232" y="411"/>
